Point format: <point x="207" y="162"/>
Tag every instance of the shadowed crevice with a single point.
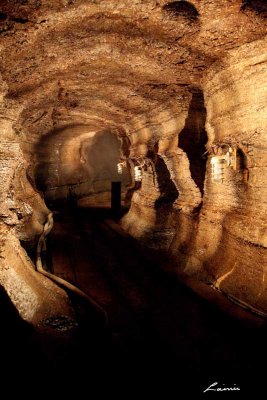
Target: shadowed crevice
<point x="182" y="9"/>
<point x="258" y="6"/>
<point x="168" y="191"/>
<point x="193" y="138"/>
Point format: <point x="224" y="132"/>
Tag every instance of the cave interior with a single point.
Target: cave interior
<point x="133" y="155"/>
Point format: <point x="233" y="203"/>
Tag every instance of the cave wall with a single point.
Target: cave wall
<point x="230" y="245"/>
<point x="22" y="215"/>
<point x="172" y="83"/>
<point x="155" y="225"/>
<point x="218" y="236"/>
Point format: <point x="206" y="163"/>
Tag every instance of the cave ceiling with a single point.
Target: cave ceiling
<point x="104" y="63"/>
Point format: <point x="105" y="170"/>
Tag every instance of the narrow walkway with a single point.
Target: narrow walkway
<point x="163" y="335"/>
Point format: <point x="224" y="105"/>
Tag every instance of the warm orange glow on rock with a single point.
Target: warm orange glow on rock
<point x="158" y="86"/>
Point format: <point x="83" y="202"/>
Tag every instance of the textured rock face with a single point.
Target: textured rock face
<point x="233" y="212"/>
<point x="164" y="85"/>
<point x="36" y="298"/>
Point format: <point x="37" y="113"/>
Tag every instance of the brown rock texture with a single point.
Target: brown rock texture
<point x="164" y="85"/>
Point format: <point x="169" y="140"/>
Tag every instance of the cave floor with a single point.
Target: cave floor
<point x="162" y="337"/>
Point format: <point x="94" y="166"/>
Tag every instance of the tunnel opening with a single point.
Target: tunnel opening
<point x="193" y="139"/>
<point x="75" y="166"/>
<point x="77" y="172"/>
<point x="103" y="157"/>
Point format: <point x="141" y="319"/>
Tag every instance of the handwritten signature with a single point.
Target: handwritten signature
<point x="222" y="388"/>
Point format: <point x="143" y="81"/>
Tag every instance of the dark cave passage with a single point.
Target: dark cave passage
<point x="193" y="138"/>
<point x="133" y="171"/>
<point x="168" y="191"/>
<point x="161" y="335"/>
<point x="82" y="167"/>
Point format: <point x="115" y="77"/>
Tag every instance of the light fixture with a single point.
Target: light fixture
<point x="120" y="167"/>
<point x="219" y="163"/>
<point x="217" y="168"/>
<point x="138" y="173"/>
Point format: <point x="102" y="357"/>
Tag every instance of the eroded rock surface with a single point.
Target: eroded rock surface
<point x="176" y="83"/>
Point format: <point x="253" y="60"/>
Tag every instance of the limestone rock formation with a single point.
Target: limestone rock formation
<point x="169" y="85"/>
